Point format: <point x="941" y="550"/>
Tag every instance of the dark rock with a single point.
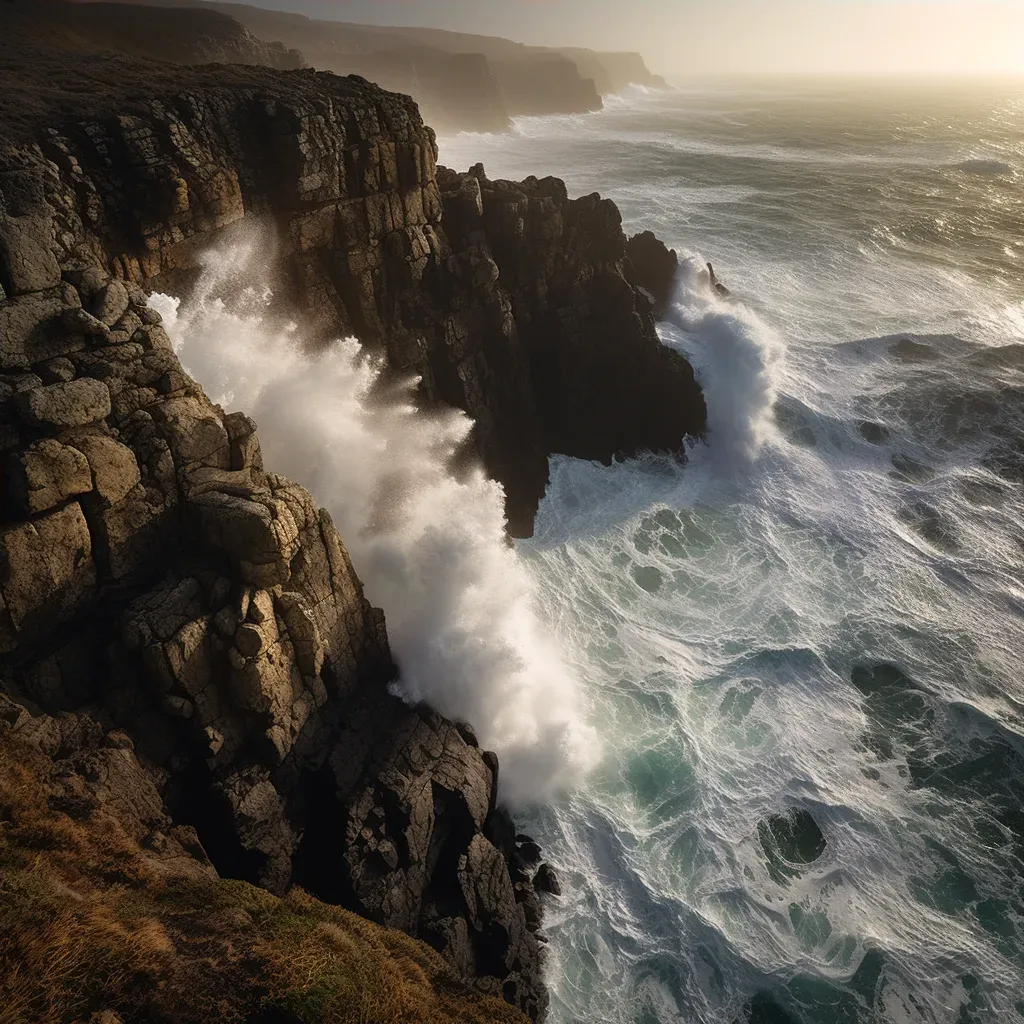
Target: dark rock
<point x="652" y="266"/>
<point x="110" y="303"/>
<point x="529" y="852"/>
<point x="547" y="881"/>
<point x="716" y="286"/>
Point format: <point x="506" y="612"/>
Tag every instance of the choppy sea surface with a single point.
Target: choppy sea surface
<point x="798" y="659"/>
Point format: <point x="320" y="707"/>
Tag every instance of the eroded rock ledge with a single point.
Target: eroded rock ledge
<point x="155" y="577"/>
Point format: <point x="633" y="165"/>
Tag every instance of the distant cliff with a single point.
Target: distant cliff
<point x="460" y="81"/>
<point x="163" y="592"/>
<point x="185" y="35"/>
<point x="613" y="72"/>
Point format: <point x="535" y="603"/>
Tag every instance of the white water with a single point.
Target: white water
<point x="430" y="549"/>
<point x="725" y="620"/>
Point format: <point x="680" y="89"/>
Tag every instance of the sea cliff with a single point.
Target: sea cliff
<point x="179" y="621"/>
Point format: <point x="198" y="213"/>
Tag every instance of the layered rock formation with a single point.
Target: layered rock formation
<point x="511" y="302"/>
<point x="155" y="574"/>
<point x="152" y="570"/>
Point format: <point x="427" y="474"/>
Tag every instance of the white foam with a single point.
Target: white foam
<point x="737" y="357"/>
<point x="430" y="549"/>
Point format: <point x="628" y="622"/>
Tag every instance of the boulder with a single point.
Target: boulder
<point x="110" y="303"/>
<point x="113" y="466"/>
<point x="546" y="880"/>
<point x="46" y="570"/>
<point x="45" y="474"/>
<point x="77" y="403"/>
<point x="27" y="263"/>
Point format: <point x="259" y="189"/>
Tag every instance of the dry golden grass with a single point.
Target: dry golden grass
<point x="86" y="925"/>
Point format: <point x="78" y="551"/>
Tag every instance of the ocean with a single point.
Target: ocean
<point x="822" y="615"/>
<point x="764" y="712"/>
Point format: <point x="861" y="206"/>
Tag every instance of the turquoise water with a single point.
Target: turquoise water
<point x="800" y="655"/>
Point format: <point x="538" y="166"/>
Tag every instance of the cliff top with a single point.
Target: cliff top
<point x="41" y="87"/>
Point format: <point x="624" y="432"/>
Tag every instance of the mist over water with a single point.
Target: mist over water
<point x="822" y="611"/>
<point x="430" y="549"/>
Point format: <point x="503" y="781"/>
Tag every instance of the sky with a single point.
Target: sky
<point x="701" y="36"/>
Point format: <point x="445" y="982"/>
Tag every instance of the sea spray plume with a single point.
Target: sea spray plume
<point x="430" y="548"/>
<point x="735" y="355"/>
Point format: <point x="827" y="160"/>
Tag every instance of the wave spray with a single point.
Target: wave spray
<point x="430" y="548"/>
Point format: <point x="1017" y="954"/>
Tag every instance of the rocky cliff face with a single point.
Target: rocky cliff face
<point x="155" y="573"/>
<point x="509" y="301"/>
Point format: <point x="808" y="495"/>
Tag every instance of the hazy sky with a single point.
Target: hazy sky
<point x="731" y="35"/>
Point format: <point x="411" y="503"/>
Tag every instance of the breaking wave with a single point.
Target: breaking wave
<point x="430" y="548"/>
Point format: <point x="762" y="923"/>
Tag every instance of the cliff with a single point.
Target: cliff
<point x="158" y="581"/>
<point x="545" y="83"/>
<point x="613" y="72"/>
<point x="111" y="913"/>
<point x="185" y="36"/>
<point x="460" y="81"/>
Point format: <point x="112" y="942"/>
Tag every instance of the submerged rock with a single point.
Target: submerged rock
<point x="763" y="1009"/>
<point x="546" y="880"/>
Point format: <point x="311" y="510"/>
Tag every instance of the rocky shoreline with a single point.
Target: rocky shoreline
<point x="164" y="594"/>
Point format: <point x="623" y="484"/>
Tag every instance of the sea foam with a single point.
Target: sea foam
<point x="430" y="548"/>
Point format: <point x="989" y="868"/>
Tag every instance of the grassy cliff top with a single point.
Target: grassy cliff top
<point x="93" y="920"/>
<point x="47" y="81"/>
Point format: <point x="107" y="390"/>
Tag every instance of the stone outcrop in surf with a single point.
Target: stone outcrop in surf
<point x="157" y="577"/>
<point x="653" y="267"/>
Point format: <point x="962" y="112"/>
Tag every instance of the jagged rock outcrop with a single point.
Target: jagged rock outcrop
<point x="110" y="912"/>
<point x="510" y="301"/>
<point x="653" y="267"/>
<point x="595" y="381"/>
